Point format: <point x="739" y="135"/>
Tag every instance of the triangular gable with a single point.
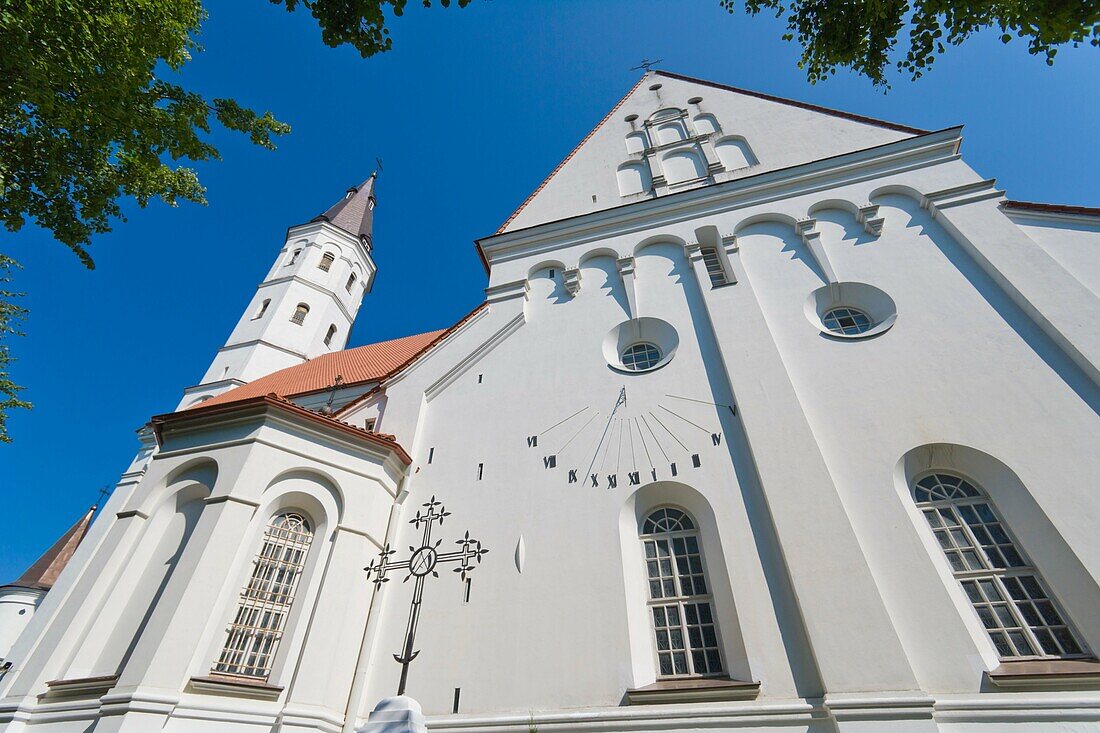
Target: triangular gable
<point x="773" y="133"/>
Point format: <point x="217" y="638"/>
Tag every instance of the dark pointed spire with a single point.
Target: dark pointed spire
<point x="355" y="212"/>
<point x="43" y="573"/>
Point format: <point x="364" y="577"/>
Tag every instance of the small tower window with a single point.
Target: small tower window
<point x="847" y="321"/>
<point x="351" y="282"/>
<point x="294" y="256"/>
<point x="714" y="266"/>
<point x="326" y="261"/>
<point x="330" y="334"/>
<point x="641" y="356"/>
<point x="263" y="309"/>
<point x="300" y="313"/>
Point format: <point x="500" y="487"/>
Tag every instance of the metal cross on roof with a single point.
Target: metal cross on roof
<point x="422" y="562"/>
<point x="647" y="64"/>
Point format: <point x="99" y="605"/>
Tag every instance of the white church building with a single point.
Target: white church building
<point x="774" y="418"/>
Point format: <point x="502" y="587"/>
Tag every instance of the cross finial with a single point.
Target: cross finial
<point x="103" y="494"/>
<point x="378" y="162"/>
<point x="647" y="65"/>
<point x="327" y="409"/>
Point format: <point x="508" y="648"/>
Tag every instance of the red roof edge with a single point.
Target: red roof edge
<point x="1052" y="208"/>
<point x="285" y="405"/>
<point x="795" y="103"/>
<point x="567" y="158"/>
<point x="414" y="357"/>
<point x="43" y="573"/>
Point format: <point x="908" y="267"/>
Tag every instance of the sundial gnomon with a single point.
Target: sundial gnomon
<point x="422" y="562"/>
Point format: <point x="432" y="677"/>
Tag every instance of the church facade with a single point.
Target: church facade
<point x="773" y="418"/>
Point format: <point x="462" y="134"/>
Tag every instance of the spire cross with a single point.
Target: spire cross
<point x="103" y="494"/>
<point x="421" y="562"/>
<point x="647" y="64"/>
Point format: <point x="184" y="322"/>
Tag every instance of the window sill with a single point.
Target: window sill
<point x="81" y="686"/>
<point x="1054" y="674"/>
<point x="693" y="690"/>
<point x="235" y="687"/>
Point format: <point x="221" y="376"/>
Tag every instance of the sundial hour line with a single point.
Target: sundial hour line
<point x="689" y="422"/>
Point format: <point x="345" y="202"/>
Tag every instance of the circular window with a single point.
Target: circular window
<point x="640" y="345"/>
<point x="850" y="310"/>
<point x="640" y="357"/>
<point x="846" y="321"/>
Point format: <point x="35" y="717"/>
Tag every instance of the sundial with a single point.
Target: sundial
<point x="630" y="442"/>
<point x="422" y="562"/>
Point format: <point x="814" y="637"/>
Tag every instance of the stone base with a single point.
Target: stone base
<point x="395" y="715"/>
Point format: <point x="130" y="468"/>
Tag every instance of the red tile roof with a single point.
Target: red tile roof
<point x="369" y="363"/>
<point x="273" y="401"/>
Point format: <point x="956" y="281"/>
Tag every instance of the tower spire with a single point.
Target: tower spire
<point x="307" y="303"/>
<point x="355" y="212"/>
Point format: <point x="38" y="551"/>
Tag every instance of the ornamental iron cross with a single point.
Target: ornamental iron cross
<point x="422" y="562"/>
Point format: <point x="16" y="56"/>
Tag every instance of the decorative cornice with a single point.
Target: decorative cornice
<point x="761" y="188"/>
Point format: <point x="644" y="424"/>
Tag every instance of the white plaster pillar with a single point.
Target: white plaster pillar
<point x="626" y="272"/>
<point x="853" y="639"/>
<point x="331" y="647"/>
<point x="1059" y="303"/>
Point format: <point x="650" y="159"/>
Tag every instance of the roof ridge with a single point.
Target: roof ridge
<point x="795" y="103"/>
<point x="1051" y="208"/>
<point x="569" y="157"/>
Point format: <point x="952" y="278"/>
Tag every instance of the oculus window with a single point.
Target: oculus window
<point x="641" y="356"/>
<point x="847" y="321"/>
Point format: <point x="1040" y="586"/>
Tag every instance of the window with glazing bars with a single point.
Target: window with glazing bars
<point x="685" y="631"/>
<point x="714" y="266"/>
<point x="326" y="261"/>
<point x="1005" y="590"/>
<point x="300" y="312"/>
<point x="257" y="627"/>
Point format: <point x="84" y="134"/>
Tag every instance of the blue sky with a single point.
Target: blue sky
<point x="470" y="111"/>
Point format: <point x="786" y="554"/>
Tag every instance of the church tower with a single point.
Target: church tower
<point x="307" y="303"/>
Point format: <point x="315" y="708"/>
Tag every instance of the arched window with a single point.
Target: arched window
<point x="685" y="631"/>
<point x="1007" y="593"/>
<point x="257" y="627"/>
<point x="299" y="316"/>
<point x="330" y="334"/>
<point x="294" y="256"/>
<point x="351" y="282"/>
<point x="263" y="309"/>
<point x="326" y="261"/>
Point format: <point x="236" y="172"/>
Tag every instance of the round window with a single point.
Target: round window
<point x="846" y="321"/>
<point x="641" y="356"/>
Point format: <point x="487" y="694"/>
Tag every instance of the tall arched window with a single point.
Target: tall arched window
<point x="1006" y="591"/>
<point x="263" y="309"/>
<point x="330" y="334"/>
<point x="351" y="282"/>
<point x="326" y="261"/>
<point x="685" y="631"/>
<point x="300" y="313"/>
<point x="294" y="256"/>
<point x="253" y="636"/>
